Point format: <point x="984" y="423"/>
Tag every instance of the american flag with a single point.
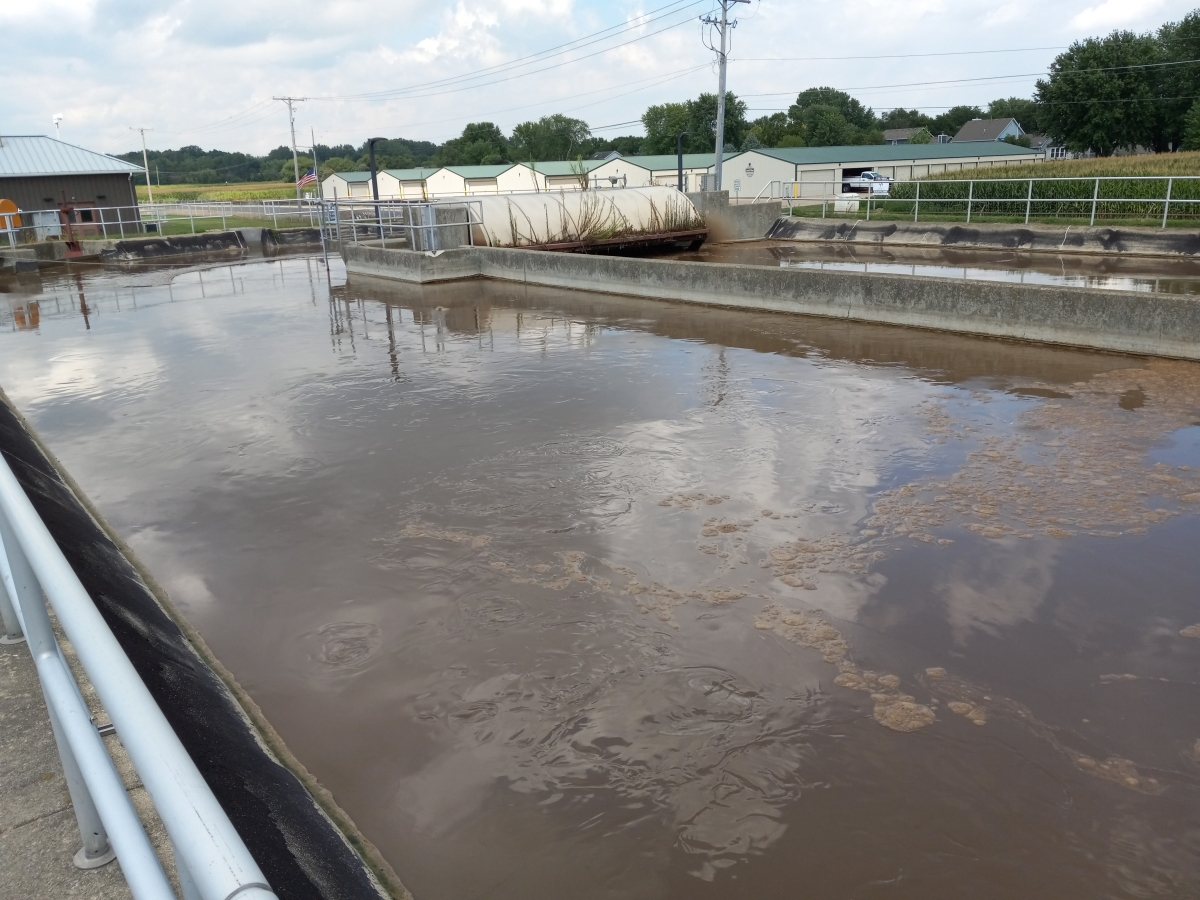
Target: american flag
<point x="309" y="177"/>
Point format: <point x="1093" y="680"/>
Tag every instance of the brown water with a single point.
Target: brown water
<point x="1116" y="273"/>
<point x="575" y="596"/>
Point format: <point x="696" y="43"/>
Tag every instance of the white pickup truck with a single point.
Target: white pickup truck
<point x="866" y="183"/>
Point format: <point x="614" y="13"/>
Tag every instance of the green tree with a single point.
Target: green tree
<point x="1100" y="96"/>
<point x="287" y="170"/>
<point x="751" y="141"/>
<point x="550" y="137"/>
<point x="846" y="106"/>
<point x="1179" y="41"/>
<point x="481" y="144"/>
<point x="904" y="118"/>
<point x="699" y="119"/>
<point x="1027" y="113"/>
<point x="770" y="129"/>
<point x="1190" y="137"/>
<point x="662" y="122"/>
<point x="921" y="137"/>
<point x="825" y="126"/>
<point x="338" y="164"/>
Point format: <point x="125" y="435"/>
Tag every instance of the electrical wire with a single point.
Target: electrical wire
<point x="409" y="92"/>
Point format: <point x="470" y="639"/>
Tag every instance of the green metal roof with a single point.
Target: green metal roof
<point x="410" y="174"/>
<point x="671" y="161"/>
<point x="807" y="156"/>
<point x="566" y="167"/>
<point x="352" y="176"/>
<point x="479" y="171"/>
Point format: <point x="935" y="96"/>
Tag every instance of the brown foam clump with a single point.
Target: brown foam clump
<point x="937" y="673"/>
<point x="1190" y="631"/>
<point x="441" y="534"/>
<point x="893" y="710"/>
<point x="1118" y="771"/>
<point x="693" y="500"/>
<point x="903" y="715"/>
<point x="968" y="710"/>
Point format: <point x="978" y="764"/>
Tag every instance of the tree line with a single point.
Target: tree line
<point x="1101" y="95"/>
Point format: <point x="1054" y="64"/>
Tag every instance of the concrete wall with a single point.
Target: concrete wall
<point x="1031" y="238"/>
<point x="1153" y="324"/>
<point x="747" y="222"/>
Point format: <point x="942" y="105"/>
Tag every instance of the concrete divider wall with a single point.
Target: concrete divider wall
<point x="744" y="222"/>
<point x="1153" y="324"/>
<point x="1175" y="242"/>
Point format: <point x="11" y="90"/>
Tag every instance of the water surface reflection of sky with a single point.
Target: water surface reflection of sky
<point x="573" y="595"/>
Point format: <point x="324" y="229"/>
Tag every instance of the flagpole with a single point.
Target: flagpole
<point x="320" y="205"/>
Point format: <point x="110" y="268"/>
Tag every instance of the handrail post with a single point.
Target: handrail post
<point x="1095" y="197"/>
<point x="20" y="578"/>
<point x="13" y="633"/>
<point x="917" y="205"/>
<point x="1028" y="201"/>
<point x="970" y="197"/>
<point x="1167" y="205"/>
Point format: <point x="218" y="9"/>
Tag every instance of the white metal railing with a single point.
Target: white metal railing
<point x="118" y="222"/>
<point x="1093" y="204"/>
<point x="412" y="221"/>
<point x="212" y="861"/>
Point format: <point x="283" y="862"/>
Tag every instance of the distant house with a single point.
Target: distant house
<point x="989" y="130"/>
<point x="461" y="181"/>
<point x="902" y="135"/>
<point x="605" y="155"/>
<point x="1047" y="146"/>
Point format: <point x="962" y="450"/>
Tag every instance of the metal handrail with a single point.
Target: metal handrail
<point x="212" y="860"/>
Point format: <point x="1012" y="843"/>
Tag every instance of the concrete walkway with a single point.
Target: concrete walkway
<point x="38" y="832"/>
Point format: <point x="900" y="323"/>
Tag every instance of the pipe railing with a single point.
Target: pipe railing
<point x="212" y="861"/>
<point x="1092" y="204"/>
<point x="415" y="222"/>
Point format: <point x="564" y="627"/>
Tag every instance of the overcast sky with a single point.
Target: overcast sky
<point x="204" y="71"/>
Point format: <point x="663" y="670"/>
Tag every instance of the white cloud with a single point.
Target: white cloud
<point x="1115" y="14"/>
<point x="184" y="67"/>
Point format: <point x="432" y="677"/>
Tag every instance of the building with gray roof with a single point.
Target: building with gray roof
<point x="38" y="172"/>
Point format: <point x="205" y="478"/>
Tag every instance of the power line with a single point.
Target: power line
<point x="889" y="55"/>
<point x="408" y="92"/>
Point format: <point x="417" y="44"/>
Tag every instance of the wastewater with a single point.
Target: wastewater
<point x="564" y="594"/>
<point x="1117" y="273"/>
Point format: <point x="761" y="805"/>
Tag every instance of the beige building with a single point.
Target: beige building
<point x="818" y="171"/>
<point x="640" y="171"/>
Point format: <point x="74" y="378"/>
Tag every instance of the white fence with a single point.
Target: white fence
<point x="1143" y="199"/>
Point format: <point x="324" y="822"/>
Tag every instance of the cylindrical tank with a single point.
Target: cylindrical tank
<point x="583" y="217"/>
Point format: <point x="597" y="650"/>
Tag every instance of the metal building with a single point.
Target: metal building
<point x="39" y="173"/>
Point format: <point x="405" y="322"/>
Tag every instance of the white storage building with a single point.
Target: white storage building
<point x="820" y="170"/>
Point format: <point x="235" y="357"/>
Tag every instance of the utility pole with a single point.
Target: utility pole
<point x="723" y="24"/>
<point x="292" y="121"/>
<point x="145" y="160"/>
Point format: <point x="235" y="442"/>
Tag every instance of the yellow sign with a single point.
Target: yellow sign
<point x="7" y="219"/>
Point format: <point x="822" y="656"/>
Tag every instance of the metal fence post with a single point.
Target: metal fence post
<point x="970" y="197"/>
<point x="103" y="224"/>
<point x="1095" y="197"/>
<point x="192" y="218"/>
<point x="13" y="634"/>
<point x="917" y="205"/>
<point x="1028" y="201"/>
<point x="1167" y="205"/>
<point x="20" y="578"/>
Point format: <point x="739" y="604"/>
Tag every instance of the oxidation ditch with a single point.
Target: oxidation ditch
<point x="574" y="595"/>
<point x="1114" y="273"/>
